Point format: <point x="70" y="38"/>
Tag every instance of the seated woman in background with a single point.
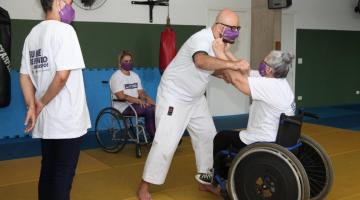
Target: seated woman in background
<point x="271" y="95"/>
<point x="126" y="85"/>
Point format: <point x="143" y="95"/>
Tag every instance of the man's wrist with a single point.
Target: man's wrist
<point x="230" y="65"/>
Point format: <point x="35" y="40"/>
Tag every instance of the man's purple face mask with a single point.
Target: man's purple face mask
<point x="229" y="35"/>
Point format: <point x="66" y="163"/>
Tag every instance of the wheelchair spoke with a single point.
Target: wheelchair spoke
<point x="111" y="131"/>
<point x="316" y="166"/>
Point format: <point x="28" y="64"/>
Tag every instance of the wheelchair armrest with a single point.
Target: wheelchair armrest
<point x="131" y="107"/>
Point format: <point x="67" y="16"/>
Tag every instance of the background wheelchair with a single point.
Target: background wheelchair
<point x="114" y="130"/>
<point x="295" y="167"/>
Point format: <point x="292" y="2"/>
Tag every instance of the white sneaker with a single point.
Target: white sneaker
<point x="204" y="178"/>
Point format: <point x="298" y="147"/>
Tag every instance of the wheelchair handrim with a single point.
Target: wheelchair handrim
<point x="293" y="167"/>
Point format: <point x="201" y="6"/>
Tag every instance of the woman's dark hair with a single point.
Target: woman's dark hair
<point x="47" y="5"/>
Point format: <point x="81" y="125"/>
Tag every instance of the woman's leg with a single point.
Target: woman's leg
<point x="60" y="157"/>
<point x="148" y="113"/>
<point x="46" y="172"/>
<point x="225" y="140"/>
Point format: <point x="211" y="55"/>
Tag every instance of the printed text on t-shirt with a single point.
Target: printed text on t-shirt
<point x="37" y="61"/>
<point x="131" y="86"/>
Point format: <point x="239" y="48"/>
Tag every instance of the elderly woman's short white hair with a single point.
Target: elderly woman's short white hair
<point x="280" y="62"/>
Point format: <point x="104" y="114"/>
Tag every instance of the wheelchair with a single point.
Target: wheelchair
<point x="295" y="167"/>
<point x="114" y="130"/>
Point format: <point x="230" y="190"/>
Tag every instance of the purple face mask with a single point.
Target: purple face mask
<point x="229" y="35"/>
<point x="67" y="14"/>
<point x="262" y="68"/>
<point x="127" y="66"/>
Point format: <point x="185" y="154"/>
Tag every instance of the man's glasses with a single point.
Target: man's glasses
<point x="231" y="27"/>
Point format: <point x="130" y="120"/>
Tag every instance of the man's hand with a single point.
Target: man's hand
<point x="227" y="48"/>
<point x="219" y="48"/>
<point x="30" y="119"/>
<point x="242" y="65"/>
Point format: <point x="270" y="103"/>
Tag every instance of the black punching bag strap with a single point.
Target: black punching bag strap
<point x="5" y="44"/>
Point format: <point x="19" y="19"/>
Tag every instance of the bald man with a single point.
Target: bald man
<point x="181" y="103"/>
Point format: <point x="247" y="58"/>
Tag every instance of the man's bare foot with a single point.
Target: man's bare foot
<point x="143" y="192"/>
<point x="209" y="188"/>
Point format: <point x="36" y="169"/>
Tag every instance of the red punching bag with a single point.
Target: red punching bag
<point x="167" y="47"/>
<point x="5" y="43"/>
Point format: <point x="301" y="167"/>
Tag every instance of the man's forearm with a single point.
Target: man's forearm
<point x="210" y="63"/>
<point x="231" y="56"/>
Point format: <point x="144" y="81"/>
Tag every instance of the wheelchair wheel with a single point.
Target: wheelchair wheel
<point x="318" y="167"/>
<point x="267" y="171"/>
<point x="111" y="130"/>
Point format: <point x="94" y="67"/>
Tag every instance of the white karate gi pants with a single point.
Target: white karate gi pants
<point x="170" y="126"/>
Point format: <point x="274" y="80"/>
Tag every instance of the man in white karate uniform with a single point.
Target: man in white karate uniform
<point x="181" y="103"/>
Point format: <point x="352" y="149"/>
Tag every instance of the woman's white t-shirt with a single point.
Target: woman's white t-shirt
<point x="53" y="46"/>
<point x="129" y="84"/>
<point x="270" y="98"/>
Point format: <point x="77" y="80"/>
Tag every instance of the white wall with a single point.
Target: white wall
<point x="182" y="12"/>
<point x="316" y="14"/>
<point x="325" y="14"/>
<point x="304" y="14"/>
<point x="185" y="12"/>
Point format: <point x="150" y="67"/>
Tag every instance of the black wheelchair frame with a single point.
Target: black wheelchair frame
<point x="294" y="167"/>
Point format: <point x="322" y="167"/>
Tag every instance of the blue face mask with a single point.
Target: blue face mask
<point x="262" y="68"/>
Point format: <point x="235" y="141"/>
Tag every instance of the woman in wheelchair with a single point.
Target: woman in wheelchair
<point x="126" y="87"/>
<point x="271" y="95"/>
<point x="271" y="159"/>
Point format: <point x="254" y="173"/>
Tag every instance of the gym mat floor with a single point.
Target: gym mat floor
<point x="106" y="176"/>
<point x="341" y="116"/>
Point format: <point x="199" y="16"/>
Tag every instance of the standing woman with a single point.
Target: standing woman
<point x="52" y="83"/>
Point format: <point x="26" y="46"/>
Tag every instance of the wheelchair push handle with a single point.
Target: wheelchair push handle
<point x="105" y="82"/>
<point x="312" y="115"/>
<point x="308" y="114"/>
